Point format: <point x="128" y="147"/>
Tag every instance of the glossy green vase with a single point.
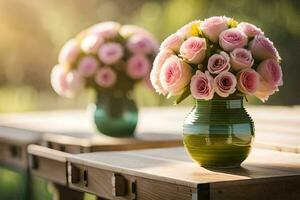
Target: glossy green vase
<point x="116" y="115"/>
<point x="219" y="132"/>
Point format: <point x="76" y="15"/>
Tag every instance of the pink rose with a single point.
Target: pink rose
<point x="66" y="84"/>
<point x="240" y="59"/>
<point x="271" y="72"/>
<point x="91" y="44"/>
<point x="249" y="29"/>
<point x="59" y="80"/>
<point x="159" y="60"/>
<point x="138" y="66"/>
<point x="87" y="66"/>
<point x="105" y="77"/>
<point x="248" y="81"/>
<point x="202" y="86"/>
<point x="175" y="75"/>
<point x="141" y="43"/>
<point x="262" y="48"/>
<point x="75" y="83"/>
<point x="106" y="29"/>
<point x="69" y="52"/>
<point x="270" y="78"/>
<point x="190" y="29"/>
<point x="265" y="90"/>
<point x="172" y="42"/>
<point x="128" y="30"/>
<point x="110" y="52"/>
<point x="218" y="63"/>
<point x="232" y="38"/>
<point x="213" y="26"/>
<point x="224" y="84"/>
<point x="193" y="49"/>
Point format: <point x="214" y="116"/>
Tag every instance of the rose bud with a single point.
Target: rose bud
<point x="218" y="63"/>
<point x="138" y="66"/>
<point x="159" y="60"/>
<point x="105" y="77"/>
<point x="87" y="66"/>
<point x="224" y="84"/>
<point x="69" y="52"/>
<point x="232" y="38"/>
<point x="213" y="26"/>
<point x="240" y="59"/>
<point x="190" y="29"/>
<point x="193" y="49"/>
<point x="202" y="86"/>
<point x="110" y="52"/>
<point x="91" y="44"/>
<point x="248" y="81"/>
<point x="141" y="43"/>
<point x="262" y="48"/>
<point x="271" y="72"/>
<point x="249" y="29"/>
<point x="175" y="75"/>
<point x="173" y="42"/>
<point x="106" y="30"/>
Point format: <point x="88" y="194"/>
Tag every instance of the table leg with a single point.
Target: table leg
<point x="100" y="198"/>
<point x="65" y="193"/>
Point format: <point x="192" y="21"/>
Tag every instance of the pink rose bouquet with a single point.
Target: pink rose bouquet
<point x="216" y="57"/>
<point x="106" y="57"/>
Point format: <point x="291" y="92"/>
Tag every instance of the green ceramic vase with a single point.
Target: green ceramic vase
<point x="219" y="132"/>
<point x="116" y="115"/>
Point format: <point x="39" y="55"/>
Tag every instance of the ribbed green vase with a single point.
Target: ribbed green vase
<point x="218" y="132"/>
<point x="116" y="115"/>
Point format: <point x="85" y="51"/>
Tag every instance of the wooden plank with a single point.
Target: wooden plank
<point x="16" y="136"/>
<point x="13" y="146"/>
<point x="48" y="163"/>
<point x="172" y="166"/>
<point x="277" y="188"/>
<point x="98" y="142"/>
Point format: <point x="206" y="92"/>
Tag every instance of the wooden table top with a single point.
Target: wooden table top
<point x="276" y="127"/>
<point x="173" y="166"/>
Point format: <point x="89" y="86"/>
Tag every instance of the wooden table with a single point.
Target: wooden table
<point x="13" y="161"/>
<point x="72" y="132"/>
<point x="169" y="173"/>
<point x="68" y="132"/>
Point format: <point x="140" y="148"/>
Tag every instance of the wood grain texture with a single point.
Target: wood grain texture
<point x="157" y="171"/>
<point x="48" y="163"/>
<point x="277" y="127"/>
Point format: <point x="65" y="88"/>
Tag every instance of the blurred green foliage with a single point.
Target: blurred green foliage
<point x="32" y="32"/>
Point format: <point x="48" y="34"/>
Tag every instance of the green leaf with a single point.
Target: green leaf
<point x="186" y="92"/>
